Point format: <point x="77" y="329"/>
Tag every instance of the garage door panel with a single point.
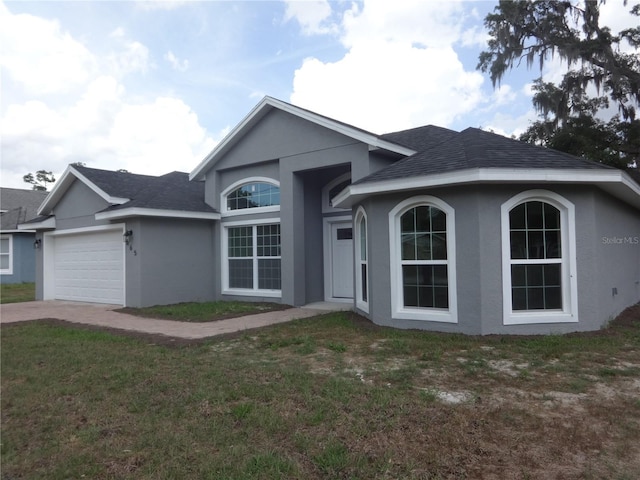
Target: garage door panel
<point x="90" y="267"/>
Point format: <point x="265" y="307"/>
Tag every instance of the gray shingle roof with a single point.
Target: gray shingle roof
<point x="21" y="206"/>
<point x="473" y="148"/>
<point x="172" y="191"/>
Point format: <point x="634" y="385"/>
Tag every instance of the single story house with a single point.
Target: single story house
<point x="17" y="256"/>
<point x="424" y="228"/>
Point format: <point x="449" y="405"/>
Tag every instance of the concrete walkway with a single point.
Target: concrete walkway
<point x="105" y="316"/>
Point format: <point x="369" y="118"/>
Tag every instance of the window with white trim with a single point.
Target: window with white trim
<point x="538" y="248"/>
<point x="253" y="256"/>
<point x="422" y="253"/>
<point x="6" y="254"/>
<point x="251" y="195"/>
<point x="362" y="274"/>
<point x="333" y="188"/>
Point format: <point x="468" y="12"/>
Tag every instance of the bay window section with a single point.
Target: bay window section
<point x="423" y="272"/>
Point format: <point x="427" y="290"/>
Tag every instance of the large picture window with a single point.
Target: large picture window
<point x="253" y="255"/>
<point x="423" y="260"/>
<point x="537" y="245"/>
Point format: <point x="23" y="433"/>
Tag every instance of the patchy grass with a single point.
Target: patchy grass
<point x="17" y="292"/>
<point x="203" y="312"/>
<point x="325" y="397"/>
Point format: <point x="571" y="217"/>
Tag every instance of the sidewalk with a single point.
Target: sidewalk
<point x="105" y="316"/>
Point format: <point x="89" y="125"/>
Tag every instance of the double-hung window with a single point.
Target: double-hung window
<point x="538" y="271"/>
<point x="423" y="272"/>
<point x="253" y="255"/>
<point x="6" y="254"/>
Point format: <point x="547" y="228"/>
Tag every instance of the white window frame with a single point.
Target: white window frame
<point x="569" y="311"/>
<point x="9" y="270"/>
<point x="225" y="212"/>
<point x="362" y="304"/>
<point x="398" y="310"/>
<point x="326" y="201"/>
<point x="255" y="291"/>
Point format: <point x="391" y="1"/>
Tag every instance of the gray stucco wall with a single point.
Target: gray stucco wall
<point x="77" y="208"/>
<point x="616" y="246"/>
<point x="170" y="261"/>
<point x="24" y="259"/>
<point x="600" y="267"/>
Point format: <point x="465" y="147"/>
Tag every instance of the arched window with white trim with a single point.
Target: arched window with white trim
<point x="422" y="254"/>
<point x="362" y="259"/>
<point x="538" y="255"/>
<point x="251" y="195"/>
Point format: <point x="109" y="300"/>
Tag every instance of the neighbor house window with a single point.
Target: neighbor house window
<point x="6" y="254"/>
<point x="253" y="259"/>
<point x="422" y="253"/>
<point x="362" y="275"/>
<point x="256" y="194"/>
<point x="538" y="241"/>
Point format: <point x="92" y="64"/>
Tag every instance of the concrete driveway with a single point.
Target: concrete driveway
<point x="105" y="316"/>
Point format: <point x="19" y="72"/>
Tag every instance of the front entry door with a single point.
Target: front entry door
<point x="342" y="260"/>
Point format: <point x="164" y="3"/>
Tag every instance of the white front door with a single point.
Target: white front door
<point x="342" y="260"/>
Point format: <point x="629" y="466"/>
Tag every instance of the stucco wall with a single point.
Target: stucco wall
<point x="170" y="261"/>
<point x="77" y="208"/>
<point x="600" y="266"/>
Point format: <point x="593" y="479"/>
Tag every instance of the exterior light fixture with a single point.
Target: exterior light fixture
<point x="37" y="243"/>
<point x="128" y="237"/>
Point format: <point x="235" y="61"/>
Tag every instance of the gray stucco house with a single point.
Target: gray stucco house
<point x="424" y="228"/>
<point x="17" y="256"/>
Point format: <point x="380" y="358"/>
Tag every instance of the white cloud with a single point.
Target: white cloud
<point x="175" y="62"/>
<point x="312" y="15"/>
<point x="400" y="70"/>
<point x="82" y="110"/>
<point x="40" y="56"/>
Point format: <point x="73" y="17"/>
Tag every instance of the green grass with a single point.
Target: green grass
<point x="17" y="292"/>
<point x="204" y="311"/>
<point x="324" y="397"/>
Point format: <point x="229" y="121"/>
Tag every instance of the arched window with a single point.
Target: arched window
<point x="249" y="195"/>
<point x="362" y="253"/>
<point x="422" y="254"/>
<point x="538" y="245"/>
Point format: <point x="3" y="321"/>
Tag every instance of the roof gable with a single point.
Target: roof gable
<point x="268" y="104"/>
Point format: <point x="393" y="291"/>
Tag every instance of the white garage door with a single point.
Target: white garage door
<point x="89" y="267"/>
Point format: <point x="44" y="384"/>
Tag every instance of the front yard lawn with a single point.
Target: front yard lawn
<point x="204" y="311"/>
<point x="17" y="292"/>
<point x="326" y="397"/>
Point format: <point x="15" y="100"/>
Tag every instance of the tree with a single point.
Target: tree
<point x="40" y="181"/>
<point x="538" y="30"/>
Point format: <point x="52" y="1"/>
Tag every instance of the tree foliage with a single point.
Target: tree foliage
<point x="536" y="32"/>
<point x="542" y="29"/>
<point x="40" y="181"/>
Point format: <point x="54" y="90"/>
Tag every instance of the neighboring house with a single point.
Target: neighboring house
<point x="17" y="256"/>
<point x="424" y="228"/>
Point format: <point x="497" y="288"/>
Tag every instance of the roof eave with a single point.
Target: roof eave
<point x="48" y="224"/>
<point x="155" y="212"/>
<point x="265" y="106"/>
<point x="616" y="182"/>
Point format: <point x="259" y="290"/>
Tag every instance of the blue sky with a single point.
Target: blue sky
<point x="153" y="86"/>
